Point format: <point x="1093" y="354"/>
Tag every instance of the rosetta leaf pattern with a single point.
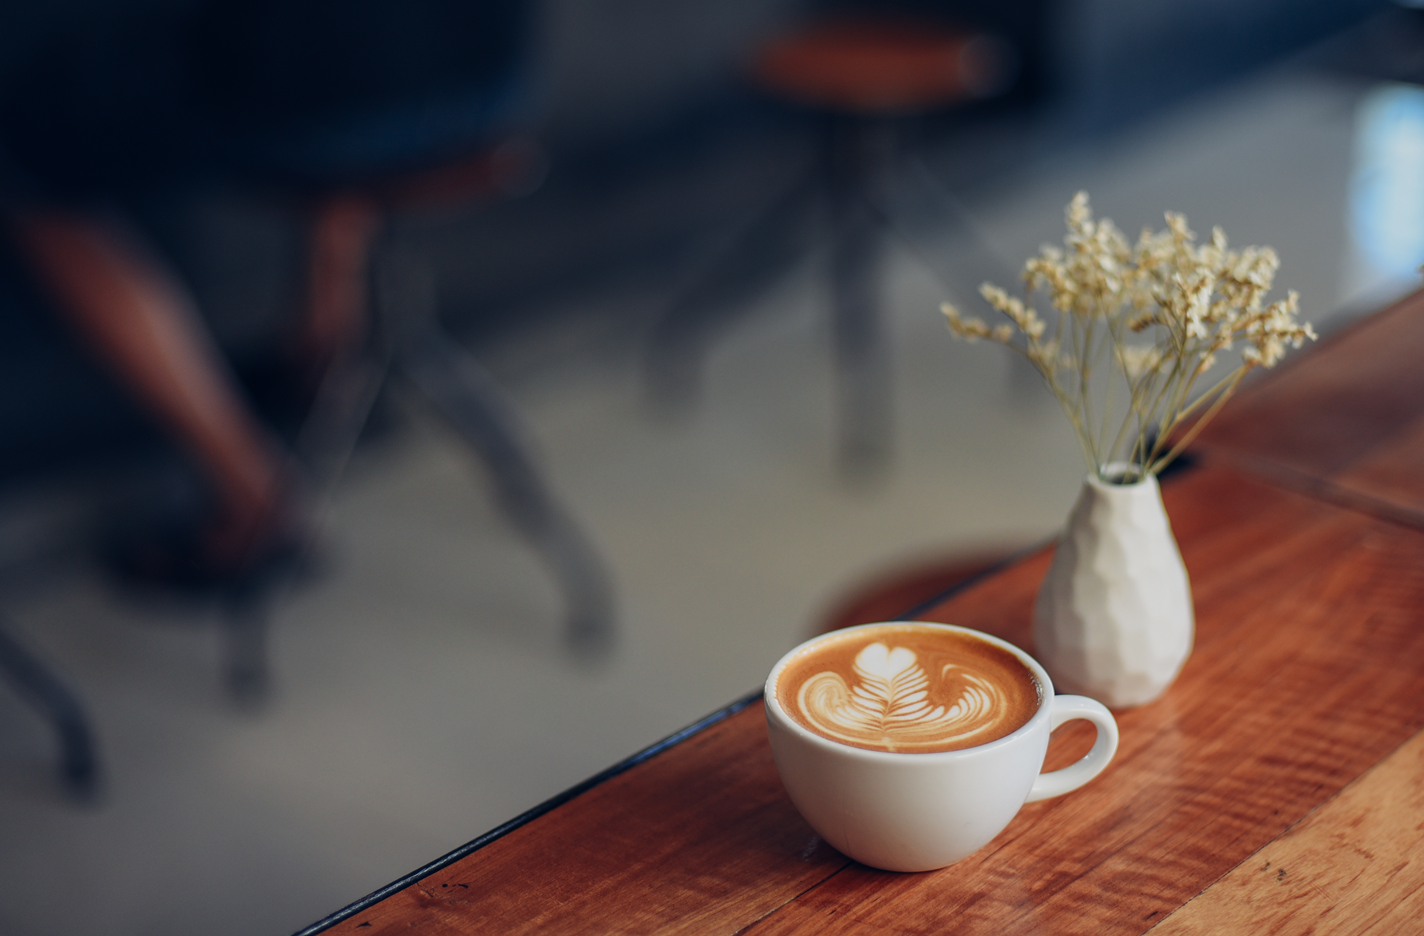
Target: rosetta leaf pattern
<point x="892" y="705"/>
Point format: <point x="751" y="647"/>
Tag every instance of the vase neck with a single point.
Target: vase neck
<point x="1122" y="474"/>
<point x="1133" y="488"/>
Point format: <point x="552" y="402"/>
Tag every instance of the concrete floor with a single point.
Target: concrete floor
<point x="422" y="694"/>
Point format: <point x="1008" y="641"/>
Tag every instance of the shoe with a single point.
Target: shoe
<point x="203" y="556"/>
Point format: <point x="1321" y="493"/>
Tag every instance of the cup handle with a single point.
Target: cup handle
<point x="1066" y="708"/>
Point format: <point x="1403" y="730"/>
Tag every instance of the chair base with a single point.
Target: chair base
<point x="79" y="760"/>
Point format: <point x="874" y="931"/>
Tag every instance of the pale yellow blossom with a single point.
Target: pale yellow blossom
<point x="1194" y="302"/>
<point x="970" y="329"/>
<point x="1138" y="360"/>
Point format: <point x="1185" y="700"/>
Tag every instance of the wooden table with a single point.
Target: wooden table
<point x="1277" y="787"/>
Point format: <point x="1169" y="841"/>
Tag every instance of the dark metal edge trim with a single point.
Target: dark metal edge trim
<point x="498" y="832"/>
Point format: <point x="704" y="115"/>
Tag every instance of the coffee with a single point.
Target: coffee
<point x="908" y="688"/>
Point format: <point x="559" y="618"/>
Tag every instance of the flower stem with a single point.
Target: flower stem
<point x="1200" y="424"/>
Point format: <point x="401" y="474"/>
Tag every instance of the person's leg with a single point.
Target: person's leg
<point x="340" y="236"/>
<point x="134" y="314"/>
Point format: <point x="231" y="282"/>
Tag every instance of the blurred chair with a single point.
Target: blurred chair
<point x="863" y="79"/>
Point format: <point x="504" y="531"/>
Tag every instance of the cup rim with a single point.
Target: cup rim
<point x="774" y="708"/>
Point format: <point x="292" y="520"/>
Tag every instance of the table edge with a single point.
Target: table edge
<point x="524" y="818"/>
<point x="1182" y="465"/>
<point x="647" y="753"/>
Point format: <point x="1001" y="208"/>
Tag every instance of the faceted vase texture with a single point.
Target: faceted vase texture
<point x="1114" y="619"/>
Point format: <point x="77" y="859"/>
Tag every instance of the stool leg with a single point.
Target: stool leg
<point x="862" y="352"/>
<point x="79" y="761"/>
<point x="921" y="197"/>
<point x="245" y="616"/>
<point x="324" y="444"/>
<point x="473" y="404"/>
<point x="750" y="262"/>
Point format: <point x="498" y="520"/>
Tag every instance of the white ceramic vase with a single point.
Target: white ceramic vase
<point x="1114" y="619"/>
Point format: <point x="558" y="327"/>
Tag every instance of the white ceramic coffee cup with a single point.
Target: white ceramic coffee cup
<point x="918" y="812"/>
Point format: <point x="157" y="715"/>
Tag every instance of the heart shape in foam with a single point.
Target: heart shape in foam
<point x="890" y="704"/>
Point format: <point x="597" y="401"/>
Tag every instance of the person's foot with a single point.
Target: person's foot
<point x="224" y="550"/>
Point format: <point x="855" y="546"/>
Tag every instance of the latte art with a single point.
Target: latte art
<point x="909" y="689"/>
<point x="890" y="703"/>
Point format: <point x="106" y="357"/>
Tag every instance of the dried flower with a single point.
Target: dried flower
<point x="1194" y="301"/>
<point x="1137" y="361"/>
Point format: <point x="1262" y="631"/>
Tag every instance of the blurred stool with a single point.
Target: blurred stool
<point x="863" y="79"/>
<point x="898" y="594"/>
<point x="408" y="339"/>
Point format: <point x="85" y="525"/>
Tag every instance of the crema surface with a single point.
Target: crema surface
<point x="908" y="688"/>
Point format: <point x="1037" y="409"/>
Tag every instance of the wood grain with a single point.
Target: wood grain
<point x="1393" y="469"/>
<point x="1354" y="866"/>
<point x="1309" y="668"/>
<point x="1348" y="411"/>
<point x="1303" y="534"/>
<point x="1297" y="685"/>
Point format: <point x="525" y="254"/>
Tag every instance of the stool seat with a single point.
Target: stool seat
<point x="882" y="67"/>
<point x="513" y="167"/>
<point x="865" y="82"/>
